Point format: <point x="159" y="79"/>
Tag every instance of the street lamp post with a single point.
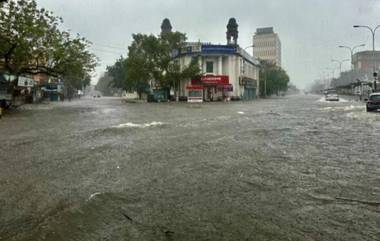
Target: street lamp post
<point x="352" y="49"/>
<point x="250" y="46"/>
<point x="373" y="31"/>
<point x="340" y="62"/>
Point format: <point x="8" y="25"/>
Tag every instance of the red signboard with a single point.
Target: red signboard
<point x="215" y="79"/>
<point x="194" y="87"/>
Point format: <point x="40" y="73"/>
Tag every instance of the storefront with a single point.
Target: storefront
<point x="250" y="88"/>
<point x="216" y="87"/>
<point x="224" y="68"/>
<point x="213" y="88"/>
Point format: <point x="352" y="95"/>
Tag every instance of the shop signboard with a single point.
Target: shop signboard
<point x="191" y="48"/>
<point x="215" y="79"/>
<point x="219" y="49"/>
<point x="25" y="82"/>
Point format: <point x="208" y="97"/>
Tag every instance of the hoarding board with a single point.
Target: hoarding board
<point x="25" y="82"/>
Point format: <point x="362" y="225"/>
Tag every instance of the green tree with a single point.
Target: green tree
<point x="151" y="59"/>
<point x="144" y="62"/>
<point x="32" y="43"/>
<point x="170" y="70"/>
<point x="273" y="79"/>
<point x="117" y="72"/>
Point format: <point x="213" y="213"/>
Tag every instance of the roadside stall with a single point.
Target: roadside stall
<point x="195" y="94"/>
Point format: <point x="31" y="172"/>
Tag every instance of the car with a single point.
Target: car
<point x="332" y="96"/>
<point x="373" y="102"/>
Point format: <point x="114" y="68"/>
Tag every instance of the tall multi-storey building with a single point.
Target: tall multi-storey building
<point x="267" y="45"/>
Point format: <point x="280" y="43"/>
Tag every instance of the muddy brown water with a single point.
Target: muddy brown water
<point x="295" y="168"/>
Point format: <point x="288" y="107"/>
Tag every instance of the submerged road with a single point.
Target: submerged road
<point x="296" y="168"/>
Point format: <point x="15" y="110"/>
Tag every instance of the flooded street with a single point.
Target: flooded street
<point x="296" y="168"/>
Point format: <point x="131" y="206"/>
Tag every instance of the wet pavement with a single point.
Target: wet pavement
<point x="296" y="168"/>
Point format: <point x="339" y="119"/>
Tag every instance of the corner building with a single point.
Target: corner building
<point x="229" y="72"/>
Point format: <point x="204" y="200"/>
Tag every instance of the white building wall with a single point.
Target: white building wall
<point x="217" y="69"/>
<point x="234" y="74"/>
<point x="184" y="62"/>
<point x="231" y="65"/>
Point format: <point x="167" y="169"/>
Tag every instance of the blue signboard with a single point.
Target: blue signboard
<point x="218" y="49"/>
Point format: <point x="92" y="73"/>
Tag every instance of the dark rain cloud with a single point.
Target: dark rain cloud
<point x="310" y="30"/>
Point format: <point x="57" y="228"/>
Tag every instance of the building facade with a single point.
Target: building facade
<point x="267" y="45"/>
<point x="228" y="72"/>
<point x="366" y="61"/>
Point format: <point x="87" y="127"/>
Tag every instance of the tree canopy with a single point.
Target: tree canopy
<point x="151" y="60"/>
<point x="276" y="79"/>
<point x="31" y="42"/>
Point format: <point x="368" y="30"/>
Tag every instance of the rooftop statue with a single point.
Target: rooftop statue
<point x="166" y="26"/>
<point x="232" y="31"/>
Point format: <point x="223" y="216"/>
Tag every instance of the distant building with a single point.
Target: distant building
<point x="267" y="45"/>
<point x="365" y="61"/>
<point x="364" y="64"/>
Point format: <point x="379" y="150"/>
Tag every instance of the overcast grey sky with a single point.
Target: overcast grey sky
<point x="310" y="30"/>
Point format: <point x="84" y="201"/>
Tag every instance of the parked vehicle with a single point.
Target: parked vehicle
<point x="373" y="102"/>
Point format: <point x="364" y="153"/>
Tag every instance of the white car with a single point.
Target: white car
<point x="332" y="97"/>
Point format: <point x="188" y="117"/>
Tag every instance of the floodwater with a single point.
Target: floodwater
<point x="295" y="168"/>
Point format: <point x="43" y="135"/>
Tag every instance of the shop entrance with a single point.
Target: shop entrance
<point x="249" y="94"/>
<point x="215" y="87"/>
<point x="210" y="93"/>
<point x="250" y="87"/>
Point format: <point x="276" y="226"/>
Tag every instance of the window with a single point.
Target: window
<point x="375" y="97"/>
<point x="209" y="67"/>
